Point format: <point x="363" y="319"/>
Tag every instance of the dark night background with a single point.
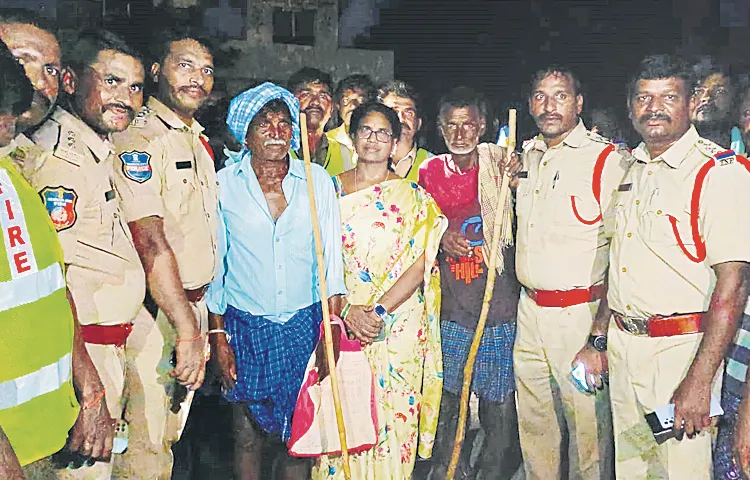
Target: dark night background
<point x="494" y="46"/>
<point x="491" y="45"/>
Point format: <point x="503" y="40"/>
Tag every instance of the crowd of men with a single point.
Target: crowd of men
<point x="630" y="264"/>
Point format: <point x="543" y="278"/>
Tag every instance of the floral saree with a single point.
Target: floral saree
<point x="385" y="229"/>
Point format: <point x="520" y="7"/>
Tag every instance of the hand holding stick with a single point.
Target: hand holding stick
<point x="324" y="299"/>
<point x="491" y="274"/>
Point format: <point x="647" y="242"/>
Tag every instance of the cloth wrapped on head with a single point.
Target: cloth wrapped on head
<point x="245" y="106"/>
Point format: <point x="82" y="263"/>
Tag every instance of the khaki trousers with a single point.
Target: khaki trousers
<point x="644" y="373"/>
<point x="552" y="413"/>
<point x="155" y="419"/>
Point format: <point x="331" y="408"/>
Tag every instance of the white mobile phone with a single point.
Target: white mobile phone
<point x="120" y="443"/>
<point x="578" y="377"/>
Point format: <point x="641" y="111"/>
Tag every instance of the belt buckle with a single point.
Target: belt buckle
<point x="635" y="326"/>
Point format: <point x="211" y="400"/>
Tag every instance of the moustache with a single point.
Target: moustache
<point x="194" y="87"/>
<point x="655" y="116"/>
<point x="274" y="141"/>
<point x="315" y="108"/>
<point x="549" y="116"/>
<point x="110" y="106"/>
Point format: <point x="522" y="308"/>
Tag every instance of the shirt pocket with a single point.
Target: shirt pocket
<point x="657" y="224"/>
<point x="180" y="185"/>
<point x="573" y="204"/>
<point x="523" y="199"/>
<point x="614" y="215"/>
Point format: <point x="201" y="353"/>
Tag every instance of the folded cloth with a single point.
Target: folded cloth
<point x="493" y="369"/>
<point x="271" y="359"/>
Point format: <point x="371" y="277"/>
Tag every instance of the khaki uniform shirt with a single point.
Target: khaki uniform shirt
<point x="650" y="274"/>
<point x="404" y="165"/>
<point x="163" y="169"/>
<point x="73" y="175"/>
<point x="554" y="249"/>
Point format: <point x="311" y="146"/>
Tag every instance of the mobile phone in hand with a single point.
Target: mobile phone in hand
<point x="578" y="378"/>
<point x="661" y="420"/>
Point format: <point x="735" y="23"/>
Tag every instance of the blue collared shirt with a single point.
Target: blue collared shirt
<point x="268" y="268"/>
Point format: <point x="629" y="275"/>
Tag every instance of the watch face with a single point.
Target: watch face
<point x="380" y="311"/>
<point x="600" y="343"/>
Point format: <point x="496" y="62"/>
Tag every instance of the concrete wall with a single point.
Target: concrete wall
<point x="274" y="62"/>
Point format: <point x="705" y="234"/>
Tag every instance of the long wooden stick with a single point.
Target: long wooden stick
<point x="328" y="336"/>
<point x="491" y="274"/>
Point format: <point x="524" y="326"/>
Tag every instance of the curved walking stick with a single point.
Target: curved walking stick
<point x="491" y="274"/>
<point x="324" y="299"/>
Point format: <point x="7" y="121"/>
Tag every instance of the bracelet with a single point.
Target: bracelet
<point x="220" y="330"/>
<point x="197" y="337"/>
<point x="96" y="400"/>
<point x="345" y="311"/>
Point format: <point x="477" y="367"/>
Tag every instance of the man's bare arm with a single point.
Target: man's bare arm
<point x="693" y="395"/>
<point x="93" y="432"/>
<point x="166" y="289"/>
<point x="10" y="468"/>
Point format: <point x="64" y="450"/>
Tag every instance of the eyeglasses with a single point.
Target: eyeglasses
<point x="364" y="133"/>
<point x="354" y="100"/>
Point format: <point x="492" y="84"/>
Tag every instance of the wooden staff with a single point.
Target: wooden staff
<point x="328" y="336"/>
<point x="469" y="367"/>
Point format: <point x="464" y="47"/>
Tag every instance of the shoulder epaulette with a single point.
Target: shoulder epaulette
<point x="141" y="118"/>
<point x="597" y="138"/>
<point x="717" y="152"/>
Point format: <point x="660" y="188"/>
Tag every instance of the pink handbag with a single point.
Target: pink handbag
<point x="314" y="428"/>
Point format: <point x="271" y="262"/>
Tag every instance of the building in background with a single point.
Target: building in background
<point x="262" y="39"/>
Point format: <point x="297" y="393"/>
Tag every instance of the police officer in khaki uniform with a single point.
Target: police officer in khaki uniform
<point x="36" y="48"/>
<point x="165" y="174"/>
<point x="677" y="278"/>
<point x="74" y="178"/>
<point x="568" y="177"/>
<point x="37" y="287"/>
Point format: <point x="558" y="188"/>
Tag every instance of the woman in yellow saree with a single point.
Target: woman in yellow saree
<point x="391" y="231"/>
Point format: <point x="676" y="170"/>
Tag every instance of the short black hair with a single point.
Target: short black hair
<point x="365" y="109"/>
<point x="23" y="16"/>
<point x="307" y="75"/>
<point x="555" y="69"/>
<point x="162" y="44"/>
<point x="357" y="82"/>
<point x="400" y="89"/>
<point x="16" y="92"/>
<point x="661" y="66"/>
<point x="84" y="49"/>
<point x="464" y="97"/>
<point x="274" y="106"/>
<point x="708" y="66"/>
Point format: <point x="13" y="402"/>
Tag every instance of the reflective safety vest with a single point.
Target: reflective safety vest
<point x="37" y="401"/>
<point x="413" y="173"/>
<point x="338" y="158"/>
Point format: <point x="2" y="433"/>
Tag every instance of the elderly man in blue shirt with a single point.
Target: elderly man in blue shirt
<point x="264" y="303"/>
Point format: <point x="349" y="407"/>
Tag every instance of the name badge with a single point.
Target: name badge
<point x="184" y="165"/>
<point x="625" y="187"/>
<point x="523" y="174"/>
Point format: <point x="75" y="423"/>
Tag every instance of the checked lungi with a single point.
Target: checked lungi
<point x="271" y="359"/>
<point x="493" y="369"/>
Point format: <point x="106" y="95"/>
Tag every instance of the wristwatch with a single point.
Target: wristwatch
<point x="380" y="311"/>
<point x="599" y="342"/>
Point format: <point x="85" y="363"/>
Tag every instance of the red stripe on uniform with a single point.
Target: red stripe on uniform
<point x="596" y="186"/>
